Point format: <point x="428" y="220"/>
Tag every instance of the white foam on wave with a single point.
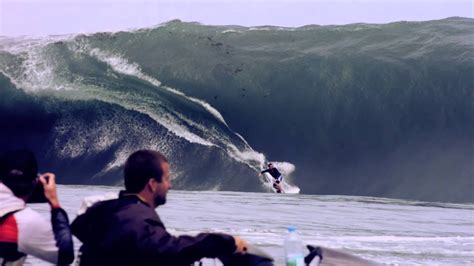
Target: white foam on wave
<point x="17" y="45"/>
<point x="270" y="28"/>
<point x="231" y="31"/>
<point x="37" y="71"/>
<point x="123" y="66"/>
<point x="204" y="104"/>
<point x="284" y="167"/>
<point x="247" y="156"/>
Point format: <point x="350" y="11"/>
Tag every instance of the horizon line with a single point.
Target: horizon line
<point x="221" y="25"/>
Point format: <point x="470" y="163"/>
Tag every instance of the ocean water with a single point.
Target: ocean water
<point x="388" y="231"/>
<point x="382" y="110"/>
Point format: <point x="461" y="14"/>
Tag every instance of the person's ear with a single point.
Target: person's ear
<point x="151" y="184"/>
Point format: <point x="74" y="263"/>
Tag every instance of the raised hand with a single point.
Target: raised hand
<point x="241" y="245"/>
<point x="48" y="180"/>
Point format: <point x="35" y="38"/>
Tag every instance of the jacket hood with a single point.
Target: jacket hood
<point x="8" y="201"/>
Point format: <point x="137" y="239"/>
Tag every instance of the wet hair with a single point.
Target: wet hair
<point x="140" y="167"/>
<point x="18" y="171"/>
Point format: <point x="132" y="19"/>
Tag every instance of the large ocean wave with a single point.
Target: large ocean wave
<point x="378" y="110"/>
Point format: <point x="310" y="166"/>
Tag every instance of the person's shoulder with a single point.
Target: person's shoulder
<point x="125" y="208"/>
<point x="135" y="216"/>
<point x="31" y="221"/>
<point x="140" y="210"/>
<point x="29" y="215"/>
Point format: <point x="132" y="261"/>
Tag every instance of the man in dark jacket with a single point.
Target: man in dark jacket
<point x="128" y="231"/>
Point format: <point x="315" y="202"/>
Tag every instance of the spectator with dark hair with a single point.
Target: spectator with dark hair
<point x="128" y="231"/>
<point x="23" y="231"/>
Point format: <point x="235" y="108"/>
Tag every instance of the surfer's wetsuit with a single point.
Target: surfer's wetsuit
<point x="274" y="173"/>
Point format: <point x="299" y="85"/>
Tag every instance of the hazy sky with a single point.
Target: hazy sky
<point x="47" y="17"/>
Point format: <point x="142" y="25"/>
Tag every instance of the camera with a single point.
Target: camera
<point x="37" y="196"/>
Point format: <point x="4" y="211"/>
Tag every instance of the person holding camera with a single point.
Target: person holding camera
<point x="24" y="231"/>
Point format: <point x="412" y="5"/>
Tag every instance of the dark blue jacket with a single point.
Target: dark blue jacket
<point x="126" y="231"/>
<point x="273" y="172"/>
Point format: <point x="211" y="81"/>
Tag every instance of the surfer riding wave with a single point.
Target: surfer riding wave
<point x="277" y="176"/>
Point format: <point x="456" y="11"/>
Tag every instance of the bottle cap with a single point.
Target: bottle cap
<point x="291" y="228"/>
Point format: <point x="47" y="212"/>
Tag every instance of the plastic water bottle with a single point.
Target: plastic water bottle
<point x="293" y="248"/>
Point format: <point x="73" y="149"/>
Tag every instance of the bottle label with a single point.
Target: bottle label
<point x="296" y="260"/>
